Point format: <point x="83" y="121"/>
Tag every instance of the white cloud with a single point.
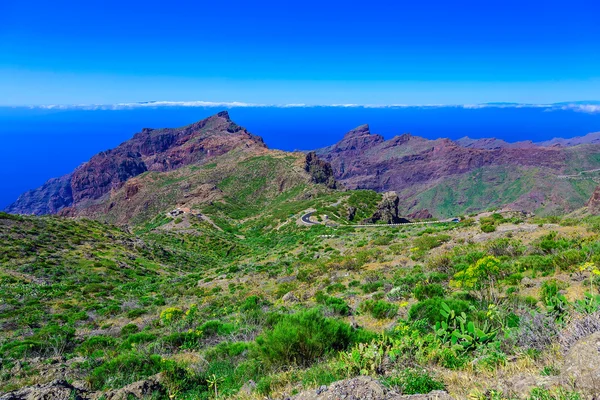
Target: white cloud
<point x="578" y="107"/>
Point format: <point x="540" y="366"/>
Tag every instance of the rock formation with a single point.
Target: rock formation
<point x="320" y="171"/>
<point x="149" y="150"/>
<point x="387" y="211"/>
<point x="593" y="203"/>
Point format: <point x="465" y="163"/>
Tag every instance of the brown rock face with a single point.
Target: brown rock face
<point x="387" y="210"/>
<point x="320" y="171"/>
<point x="50" y="198"/>
<point x="420" y="214"/>
<point x="366" y="161"/>
<point x="411" y="165"/>
<point x="149" y="150"/>
<point x="593" y="203"/>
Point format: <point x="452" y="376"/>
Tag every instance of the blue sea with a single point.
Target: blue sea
<point x="38" y="144"/>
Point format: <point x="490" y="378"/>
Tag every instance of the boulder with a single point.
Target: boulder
<point x="136" y="390"/>
<point x="581" y="367"/>
<point x="363" y="388"/>
<point x="387" y="210"/>
<point x="58" y="389"/>
<point x="289" y="297"/>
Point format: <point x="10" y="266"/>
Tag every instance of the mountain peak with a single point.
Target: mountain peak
<point x="223" y="114"/>
<point x="158" y="150"/>
<point x="361" y="130"/>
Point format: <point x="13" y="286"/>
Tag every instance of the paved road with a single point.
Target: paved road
<point x="306" y="219"/>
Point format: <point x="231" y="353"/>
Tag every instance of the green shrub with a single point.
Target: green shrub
<point x="414" y="381"/>
<point x="215" y="327"/>
<point x="339" y="306"/>
<point x="428" y="242"/>
<point x="95" y="343"/>
<point x="424" y="291"/>
<point x="136" y="312"/>
<point x="125" y="369"/>
<point x="379" y="309"/>
<point x="302" y="338"/>
<point x="129" y="329"/>
<point x="371" y="287"/>
<point x="137" y="338"/>
<point x="430" y="309"/>
<point x="488" y="227"/>
<point x="551" y="289"/>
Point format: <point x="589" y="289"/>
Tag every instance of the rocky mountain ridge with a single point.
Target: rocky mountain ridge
<point x="444" y="176"/>
<point x="523" y="174"/>
<point x="157" y="150"/>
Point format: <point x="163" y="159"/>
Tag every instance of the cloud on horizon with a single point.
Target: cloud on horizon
<point x="591" y="107"/>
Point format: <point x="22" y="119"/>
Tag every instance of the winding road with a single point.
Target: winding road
<point x="305" y="218"/>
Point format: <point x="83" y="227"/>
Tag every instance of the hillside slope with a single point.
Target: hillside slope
<point x="154" y="150"/>
<point x="450" y="178"/>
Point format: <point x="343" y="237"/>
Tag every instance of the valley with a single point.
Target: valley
<point x="196" y="263"/>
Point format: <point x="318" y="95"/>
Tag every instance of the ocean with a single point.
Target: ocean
<point x="38" y="144"/>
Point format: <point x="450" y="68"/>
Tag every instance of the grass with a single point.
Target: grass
<point x="206" y="305"/>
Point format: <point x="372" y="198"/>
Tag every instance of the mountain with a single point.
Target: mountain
<point x="493" y="144"/>
<point x="150" y="150"/>
<point x="217" y="165"/>
<point x="449" y="178"/>
<point x="590" y="138"/>
<point x="206" y="275"/>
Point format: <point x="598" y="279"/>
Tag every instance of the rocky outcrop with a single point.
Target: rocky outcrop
<point x="60" y="389"/>
<point x="416" y="167"/>
<point x="149" y="150"/>
<point x="581" y="366"/>
<point x="351" y="213"/>
<point x="387" y="211"/>
<point x="364" y="388"/>
<point x="137" y="390"/>
<point x="493" y="144"/>
<point x="104" y="172"/>
<point x="56" y="390"/>
<point x="50" y="198"/>
<point x="593" y="204"/>
<point x="367" y="161"/>
<point x="420" y="214"/>
<point x="319" y="170"/>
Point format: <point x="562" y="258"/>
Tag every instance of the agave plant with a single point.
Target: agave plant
<point x="461" y="334"/>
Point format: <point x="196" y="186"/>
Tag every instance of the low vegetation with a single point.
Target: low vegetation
<point x="250" y="309"/>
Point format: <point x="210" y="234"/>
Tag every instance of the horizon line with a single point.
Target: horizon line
<point x="578" y="106"/>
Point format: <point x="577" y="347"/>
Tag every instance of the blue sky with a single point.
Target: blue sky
<point x="312" y="52"/>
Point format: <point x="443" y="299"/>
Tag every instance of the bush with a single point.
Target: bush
<point x="136" y="312"/>
<point x="137" y="338"/>
<point x="423" y="292"/>
<point x="129" y="329"/>
<point x="430" y="309"/>
<point x="339" y="306"/>
<point x="414" y="381"/>
<point x="488" y="227"/>
<point x="215" y="327"/>
<point x="428" y="242"/>
<point x="302" y="338"/>
<point x="168" y="315"/>
<point x="95" y="343"/>
<point x="551" y="289"/>
<point x="379" y="309"/>
<point x="124" y="369"/>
